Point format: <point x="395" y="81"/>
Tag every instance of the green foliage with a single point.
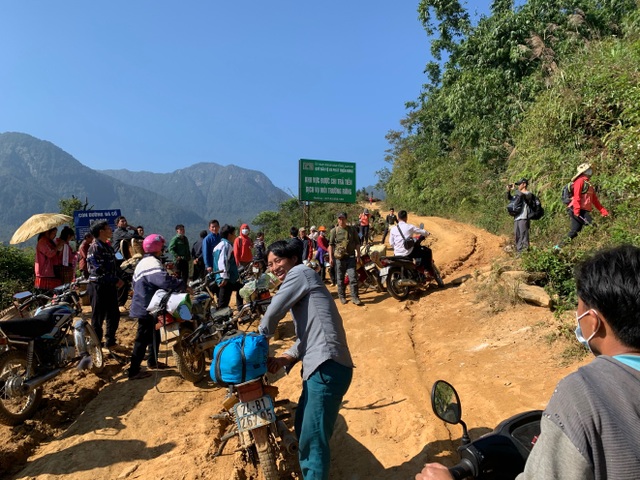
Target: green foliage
<point x="16" y="272"/>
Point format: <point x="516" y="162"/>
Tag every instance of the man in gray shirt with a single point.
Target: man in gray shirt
<point x="591" y="426"/>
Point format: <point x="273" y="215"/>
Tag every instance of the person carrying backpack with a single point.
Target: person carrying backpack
<point x="582" y="200"/>
<point x="521" y="208"/>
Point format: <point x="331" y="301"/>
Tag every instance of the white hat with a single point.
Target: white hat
<point x="313" y="228"/>
<point x="583" y="167"/>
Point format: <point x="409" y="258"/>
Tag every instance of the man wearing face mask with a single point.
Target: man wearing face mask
<point x="591" y="426"/>
<point x="242" y="247"/>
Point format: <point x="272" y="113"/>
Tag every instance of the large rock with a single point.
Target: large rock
<point x="533" y="294"/>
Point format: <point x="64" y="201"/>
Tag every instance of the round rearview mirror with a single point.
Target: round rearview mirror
<point x="445" y="402"/>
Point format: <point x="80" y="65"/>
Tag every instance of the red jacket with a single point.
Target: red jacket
<point x="242" y="247"/>
<point x="584" y="197"/>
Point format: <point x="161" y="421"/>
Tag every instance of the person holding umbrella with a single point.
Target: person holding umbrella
<point x="47" y="256"/>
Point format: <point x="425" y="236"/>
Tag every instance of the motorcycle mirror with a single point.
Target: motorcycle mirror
<point x="119" y="256"/>
<point x="446" y="402"/>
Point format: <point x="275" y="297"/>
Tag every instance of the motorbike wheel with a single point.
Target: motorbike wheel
<point x="396" y="291"/>
<point x="15" y="408"/>
<point x="191" y="365"/>
<point x="94" y="349"/>
<point x="437" y="276"/>
<point x="266" y="454"/>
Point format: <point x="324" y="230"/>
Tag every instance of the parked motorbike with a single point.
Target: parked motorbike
<point x="402" y="274"/>
<point x="367" y="271"/>
<point x="39" y="348"/>
<point x="25" y="304"/>
<point x="499" y="455"/>
<point x="265" y="440"/>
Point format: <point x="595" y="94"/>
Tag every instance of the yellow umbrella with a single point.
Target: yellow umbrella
<point x="40" y="222"/>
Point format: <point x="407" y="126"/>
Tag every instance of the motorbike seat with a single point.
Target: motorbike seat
<point x="400" y="258"/>
<point x="33" y="327"/>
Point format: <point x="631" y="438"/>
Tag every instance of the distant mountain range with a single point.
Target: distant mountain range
<point x="36" y="174"/>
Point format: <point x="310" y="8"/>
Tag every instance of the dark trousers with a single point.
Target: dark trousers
<point x="104" y="305"/>
<point x="385" y="233"/>
<point x="224" y="295"/>
<point x="576" y="224"/>
<point x="182" y="266"/>
<point x="145" y="337"/>
<point x="346" y="266"/>
<point x="521" y="230"/>
<point x="425" y="255"/>
<point x="198" y="270"/>
<point x="364" y="233"/>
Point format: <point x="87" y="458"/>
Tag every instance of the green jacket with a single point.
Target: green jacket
<point x="179" y="247"/>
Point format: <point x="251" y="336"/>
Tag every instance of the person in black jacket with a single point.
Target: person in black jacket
<point x="196" y="255"/>
<point x="522" y="207"/>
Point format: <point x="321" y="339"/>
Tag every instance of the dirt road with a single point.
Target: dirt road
<point x="500" y="363"/>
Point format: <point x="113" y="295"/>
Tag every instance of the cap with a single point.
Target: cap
<point x="522" y="180"/>
<point x="302" y="229"/>
<point x="583" y="167"/>
<point x="342" y="215"/>
<point x="322" y="228"/>
<point x="313" y="228"/>
<point x="365" y="210"/>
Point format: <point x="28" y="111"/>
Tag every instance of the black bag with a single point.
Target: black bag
<point x="408" y="243"/>
<point x="511" y="207"/>
<point x="536" y="211"/>
<point x="567" y="193"/>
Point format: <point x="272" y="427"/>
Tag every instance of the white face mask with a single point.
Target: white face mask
<point x="245" y="231"/>
<point x="578" y="331"/>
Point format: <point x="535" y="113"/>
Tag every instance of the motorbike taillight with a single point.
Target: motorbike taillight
<point x="264" y="295"/>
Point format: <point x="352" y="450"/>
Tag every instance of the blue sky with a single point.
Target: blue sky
<point x="157" y="85"/>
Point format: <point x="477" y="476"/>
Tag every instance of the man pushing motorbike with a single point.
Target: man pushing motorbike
<point x="404" y="231"/>
<point x="591" y="426"/>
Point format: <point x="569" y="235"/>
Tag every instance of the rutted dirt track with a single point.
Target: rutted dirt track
<point x="500" y="364"/>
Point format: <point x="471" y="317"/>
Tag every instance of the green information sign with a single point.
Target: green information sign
<point x="324" y="181"/>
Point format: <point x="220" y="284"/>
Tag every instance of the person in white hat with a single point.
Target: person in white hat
<point x="583" y="199"/>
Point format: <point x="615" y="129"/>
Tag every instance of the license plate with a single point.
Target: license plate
<point x="384" y="271"/>
<point x="254" y="414"/>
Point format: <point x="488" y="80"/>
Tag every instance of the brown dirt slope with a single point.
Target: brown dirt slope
<point x="500" y="364"/>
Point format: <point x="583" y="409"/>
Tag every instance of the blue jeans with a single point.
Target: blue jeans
<point x="316" y="417"/>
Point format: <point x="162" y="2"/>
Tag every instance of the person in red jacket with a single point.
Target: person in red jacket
<point x="242" y="247"/>
<point x="583" y="199"/>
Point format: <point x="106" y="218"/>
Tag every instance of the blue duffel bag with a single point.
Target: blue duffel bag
<point x="239" y="358"/>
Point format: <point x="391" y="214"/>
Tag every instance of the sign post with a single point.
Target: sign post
<point x="83" y="219"/>
<point x="325" y="181"/>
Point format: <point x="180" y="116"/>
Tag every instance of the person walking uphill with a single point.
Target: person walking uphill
<point x="321" y="345"/>
<point x="583" y="199"/>
<point x="149" y="277"/>
<point x="344" y="253"/>
<point x="181" y="251"/>
<point x="522" y="209"/>
<point x="242" y="247"/>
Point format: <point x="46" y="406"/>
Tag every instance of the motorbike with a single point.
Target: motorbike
<point x="265" y="440"/>
<point x="367" y="270"/>
<point x="499" y="455"/>
<point x="40" y="348"/>
<point x="25" y="304"/>
<point x="402" y="274"/>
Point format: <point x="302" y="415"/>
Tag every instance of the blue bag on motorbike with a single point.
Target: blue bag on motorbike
<point x="239" y="358"/>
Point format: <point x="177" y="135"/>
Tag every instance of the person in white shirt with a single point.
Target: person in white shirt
<point x="404" y="230"/>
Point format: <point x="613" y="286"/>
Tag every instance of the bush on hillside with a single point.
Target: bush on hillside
<point x="16" y="273"/>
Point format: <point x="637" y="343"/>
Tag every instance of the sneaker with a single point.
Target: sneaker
<point x="140" y="375"/>
<point x="356" y="301"/>
<point x="158" y="366"/>
<point x="343" y="300"/>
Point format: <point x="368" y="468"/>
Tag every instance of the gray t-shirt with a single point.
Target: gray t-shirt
<point x="318" y="323"/>
<point x="591" y="427"/>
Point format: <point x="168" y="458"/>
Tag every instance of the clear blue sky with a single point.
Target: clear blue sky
<point x="157" y="85"/>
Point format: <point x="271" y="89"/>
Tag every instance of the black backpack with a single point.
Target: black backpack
<point x="511" y="207"/>
<point x="567" y="193"/>
<point x="537" y="210"/>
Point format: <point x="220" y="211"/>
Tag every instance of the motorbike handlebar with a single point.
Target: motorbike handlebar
<point x="462" y="470"/>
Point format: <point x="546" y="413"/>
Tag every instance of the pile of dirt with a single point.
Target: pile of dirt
<point x="161" y="427"/>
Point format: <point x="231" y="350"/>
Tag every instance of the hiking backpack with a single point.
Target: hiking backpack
<point x="567" y="193"/>
<point x="537" y="210"/>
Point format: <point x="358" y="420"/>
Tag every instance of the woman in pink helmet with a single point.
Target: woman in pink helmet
<point x="149" y="277"/>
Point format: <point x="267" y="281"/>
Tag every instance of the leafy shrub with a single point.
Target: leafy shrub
<point x="16" y="272"/>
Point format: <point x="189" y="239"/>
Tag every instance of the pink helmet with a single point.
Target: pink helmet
<point x="153" y="243"/>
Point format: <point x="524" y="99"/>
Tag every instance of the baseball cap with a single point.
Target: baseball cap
<point x="522" y="180"/>
<point x="342" y="215"/>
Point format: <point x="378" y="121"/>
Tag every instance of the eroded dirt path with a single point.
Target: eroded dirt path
<point x="500" y="364"/>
